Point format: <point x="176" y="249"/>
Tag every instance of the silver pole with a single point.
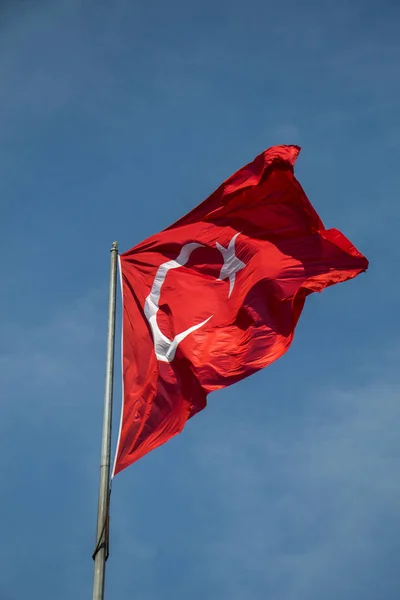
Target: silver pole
<point x="101" y="552"/>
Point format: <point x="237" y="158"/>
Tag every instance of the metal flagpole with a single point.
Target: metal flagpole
<point x="101" y="551"/>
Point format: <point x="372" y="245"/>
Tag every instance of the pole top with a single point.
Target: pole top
<point x="114" y="247"/>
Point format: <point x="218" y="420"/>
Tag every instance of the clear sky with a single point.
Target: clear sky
<point x="116" y="119"/>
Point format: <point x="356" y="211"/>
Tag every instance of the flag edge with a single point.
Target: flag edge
<point x="113" y="473"/>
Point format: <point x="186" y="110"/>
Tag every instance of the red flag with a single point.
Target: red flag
<point x="217" y="296"/>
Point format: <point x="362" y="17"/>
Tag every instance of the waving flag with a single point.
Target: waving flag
<point x="217" y="296"/>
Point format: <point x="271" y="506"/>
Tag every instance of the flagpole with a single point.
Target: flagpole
<point x="100" y="554"/>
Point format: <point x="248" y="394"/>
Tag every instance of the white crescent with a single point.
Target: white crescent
<point x="165" y="348"/>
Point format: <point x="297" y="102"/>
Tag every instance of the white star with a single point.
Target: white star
<point x="231" y="263"/>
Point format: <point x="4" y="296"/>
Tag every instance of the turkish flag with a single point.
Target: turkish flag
<point x="217" y="296"/>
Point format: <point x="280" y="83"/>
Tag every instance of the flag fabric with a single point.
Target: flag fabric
<point x="217" y="296"/>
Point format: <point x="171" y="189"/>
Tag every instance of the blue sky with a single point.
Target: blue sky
<point x="117" y="118"/>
